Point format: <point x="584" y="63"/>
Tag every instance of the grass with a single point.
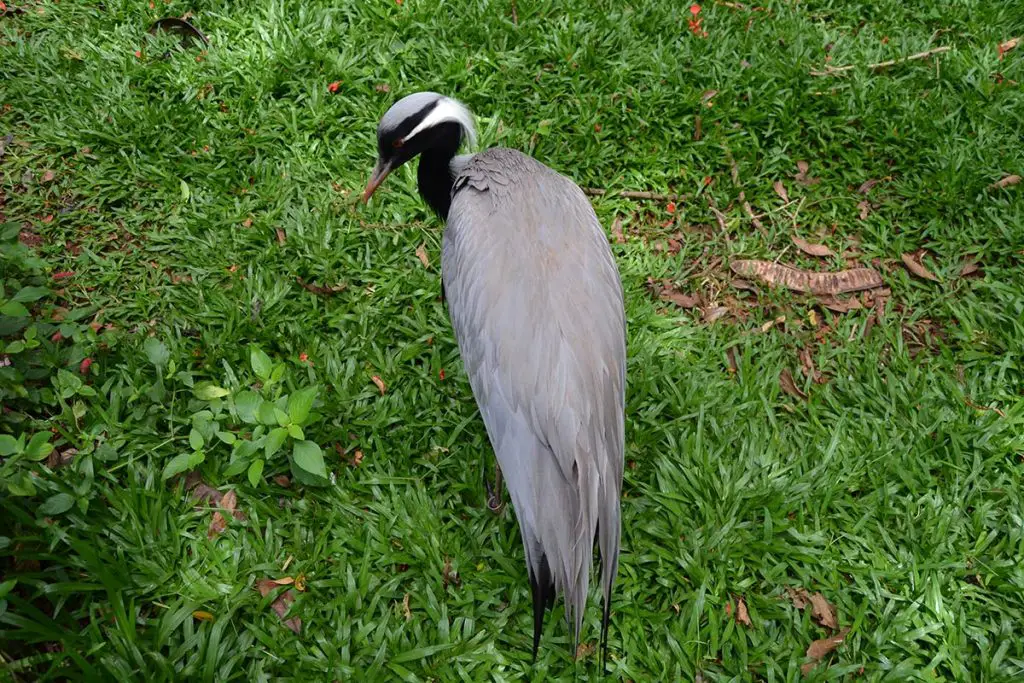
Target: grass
<point x="190" y="193"/>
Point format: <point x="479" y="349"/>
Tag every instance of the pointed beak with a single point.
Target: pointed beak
<point x="380" y="172"/>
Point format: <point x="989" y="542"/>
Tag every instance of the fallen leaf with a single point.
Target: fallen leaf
<point x="814" y="282"/>
<point x="217" y="525"/>
<point x="780" y="190"/>
<point x="914" y="265"/>
<point x="1008" y="45"/>
<point x="382" y="87"/>
<point x="48" y="176"/>
<point x="357" y="458"/>
<point x="837" y="305"/>
<point x="380" y="384"/>
<point x="812" y="249"/>
<point x="200" y="615"/>
<point x="448" y="576"/>
<point x="617" y="233"/>
<point x="283" y="481"/>
<point x="707" y="95"/>
<point x="283" y="581"/>
<point x="799" y="597"/>
<point x="864" y="208"/>
<point x="421" y="254"/>
<point x="772" y="323"/>
<point x="970" y="267"/>
<point x="742" y="616"/>
<point x="820" y="648"/>
<point x="807" y="363"/>
<point x="584" y="650"/>
<point x="1005" y="181"/>
<point x="823" y="611"/>
<point x="746" y="285"/>
<point x="730" y="357"/>
<point x="281" y="603"/>
<point x="405" y="607"/>
<point x="788" y="385"/>
<point x="300" y="583"/>
<point x="321" y="290"/>
<point x="280" y="235"/>
<point x="713" y="313"/>
<point x="801" y="177"/>
<point x="866" y="186"/>
<point x="681" y="300"/>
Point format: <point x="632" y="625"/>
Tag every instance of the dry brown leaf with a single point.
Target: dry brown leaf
<point x="380" y="384"/>
<point x="448" y="576"/>
<point x="357" y="457"/>
<point x="707" y="95"/>
<point x="283" y="581"/>
<point x="772" y="323"/>
<point x="866" y="186"/>
<point x="807" y="363"/>
<point x="679" y="299"/>
<point x="914" y="265"/>
<point x="421" y="254"/>
<point x="405" y="607"/>
<point x="730" y="357"/>
<point x="620" y="237"/>
<point x="788" y="385"/>
<point x="838" y="305"/>
<point x="1005" y="181"/>
<point x="229" y="501"/>
<point x="280" y="235"/>
<point x="740" y="283"/>
<point x="281" y="603"/>
<point x="823" y="611"/>
<point x="801" y="177"/>
<point x="864" y="206"/>
<point x="282" y="480"/>
<point x="799" y="597"/>
<point x="970" y="267"/>
<point x="852" y="280"/>
<point x="584" y="650"/>
<point x="820" y="648"/>
<point x="742" y="616"/>
<point x="48" y="176"/>
<point x="1008" y="45"/>
<point x="812" y="249"/>
<point x="780" y="190"/>
<point x="217" y="525"/>
<point x="713" y="313"/>
<point x="200" y="615"/>
<point x="321" y="290"/>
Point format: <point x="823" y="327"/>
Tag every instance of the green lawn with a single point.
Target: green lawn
<point x="191" y="197"/>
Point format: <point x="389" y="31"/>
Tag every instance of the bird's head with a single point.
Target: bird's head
<point x="414" y="124"/>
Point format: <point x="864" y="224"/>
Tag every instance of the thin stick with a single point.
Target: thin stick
<point x="632" y="194"/>
<point x="515" y="16"/>
<point x="833" y="70"/>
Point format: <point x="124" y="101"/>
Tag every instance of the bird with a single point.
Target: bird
<point x="536" y="303"/>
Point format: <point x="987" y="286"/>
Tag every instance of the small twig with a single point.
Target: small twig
<point x="833" y="70"/>
<point x="974" y="405"/>
<point x="750" y="212"/>
<point x="632" y="194"/>
<point x="515" y="15"/>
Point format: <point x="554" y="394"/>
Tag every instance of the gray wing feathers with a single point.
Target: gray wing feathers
<point x="536" y="303"/>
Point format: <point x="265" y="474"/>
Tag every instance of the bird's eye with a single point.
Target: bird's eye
<point x="397" y="143"/>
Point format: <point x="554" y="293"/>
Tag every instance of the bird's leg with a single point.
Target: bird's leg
<point x="494" y="497"/>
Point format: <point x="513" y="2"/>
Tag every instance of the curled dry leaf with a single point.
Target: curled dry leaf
<point x="217" y="525"/>
<point x="730" y="357"/>
<point x="320" y="290"/>
<point x="802" y="177"/>
<point x="866" y="186"/>
<point x="864" y="209"/>
<point x="970" y="268"/>
<point x="799" y="597"/>
<point x="852" y="280"/>
<point x="620" y="237"/>
<point x="812" y="249"/>
<point x="1005" y="181"/>
<point x="820" y="648"/>
<point x="914" y="265"/>
<point x="823" y="611"/>
<point x="421" y="254"/>
<point x="584" y="650"/>
<point x="807" y="363"/>
<point x="780" y="190"/>
<point x="48" y="176"/>
<point x="839" y="305"/>
<point x="448" y="576"/>
<point x="788" y="385"/>
<point x="380" y="384"/>
<point x="405" y="607"/>
<point x="713" y="313"/>
<point x="281" y="603"/>
<point x="742" y="616"/>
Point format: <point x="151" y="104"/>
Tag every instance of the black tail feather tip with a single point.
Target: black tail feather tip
<point x="542" y="589"/>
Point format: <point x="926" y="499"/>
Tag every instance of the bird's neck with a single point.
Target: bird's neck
<point x="435" y="175"/>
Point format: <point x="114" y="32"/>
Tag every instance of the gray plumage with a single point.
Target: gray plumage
<point x="536" y="303"/>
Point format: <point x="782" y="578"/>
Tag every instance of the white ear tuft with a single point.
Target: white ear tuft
<point x="448" y="109"/>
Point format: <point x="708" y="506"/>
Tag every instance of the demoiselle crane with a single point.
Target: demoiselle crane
<point x="536" y="303"/>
